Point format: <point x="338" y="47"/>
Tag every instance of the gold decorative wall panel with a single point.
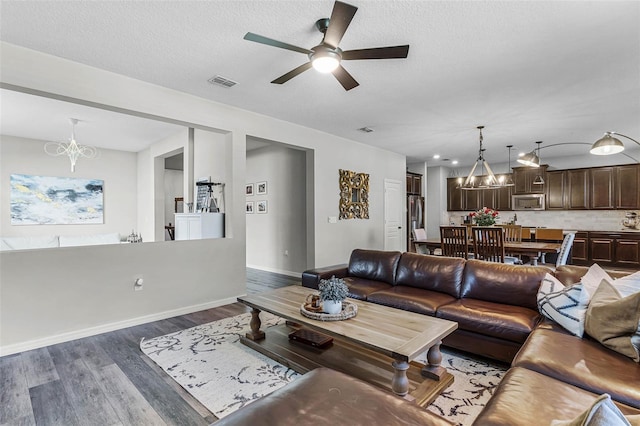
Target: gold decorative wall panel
<point x="354" y="195"/>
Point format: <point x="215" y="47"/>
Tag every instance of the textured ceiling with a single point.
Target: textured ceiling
<point x="555" y="71"/>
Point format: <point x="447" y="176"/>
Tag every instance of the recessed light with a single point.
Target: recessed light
<point x="435" y="157"/>
<point x="454" y="162"/>
<point x="520" y="154"/>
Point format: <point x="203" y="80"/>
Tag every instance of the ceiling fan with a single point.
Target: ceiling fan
<point x="326" y="56"/>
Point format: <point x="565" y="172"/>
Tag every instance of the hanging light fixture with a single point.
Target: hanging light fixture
<point x="509" y="180"/>
<point x="531" y="159"/>
<point x="489" y="181"/>
<point x="72" y="149"/>
<point x="538" y="180"/>
<point x="608" y="145"/>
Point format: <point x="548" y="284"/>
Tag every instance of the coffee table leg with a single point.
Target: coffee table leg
<point x="255" y="323"/>
<point x="400" y="382"/>
<point x="433" y="369"/>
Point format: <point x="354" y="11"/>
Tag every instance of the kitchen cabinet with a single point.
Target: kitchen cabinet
<point x="628" y="187"/>
<point x="523" y="178"/>
<point x="601" y="188"/>
<point x="614" y="249"/>
<point x="577" y="189"/>
<point x="556" y="190"/>
<point x="473" y="199"/>
<point x="455" y="201"/>
<point x="580" y="249"/>
<point x="414" y="183"/>
<point x="197" y="226"/>
<point x="499" y="199"/>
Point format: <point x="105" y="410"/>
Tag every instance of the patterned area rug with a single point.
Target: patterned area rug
<point x="212" y="365"/>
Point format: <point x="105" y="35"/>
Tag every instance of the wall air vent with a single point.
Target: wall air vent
<point x="221" y="81"/>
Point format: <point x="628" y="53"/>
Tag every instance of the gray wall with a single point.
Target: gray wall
<point x="276" y="241"/>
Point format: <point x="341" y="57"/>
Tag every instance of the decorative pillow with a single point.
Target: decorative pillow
<point x="613" y="320"/>
<point x="628" y="285"/>
<point x="562" y="304"/>
<point x="591" y="281"/>
<point x="603" y="412"/>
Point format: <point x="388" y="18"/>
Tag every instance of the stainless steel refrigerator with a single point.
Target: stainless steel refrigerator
<point x="415" y="217"/>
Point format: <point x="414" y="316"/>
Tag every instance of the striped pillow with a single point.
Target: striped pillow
<point x="562" y="304"/>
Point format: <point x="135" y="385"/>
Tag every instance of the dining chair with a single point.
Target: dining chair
<point x="419" y="234"/>
<point x="488" y="245"/>
<point x="549" y="235"/>
<point x="565" y="249"/>
<point x="453" y="241"/>
<point x="512" y="234"/>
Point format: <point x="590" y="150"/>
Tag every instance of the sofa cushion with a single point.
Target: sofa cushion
<point x="325" y="396"/>
<point x="584" y="363"/>
<point x="437" y="273"/>
<point x="554" y="400"/>
<point x="613" y="320"/>
<point x="603" y="412"/>
<point x="374" y="265"/>
<point x="571" y="274"/>
<point x="507" y="322"/>
<point x="411" y="299"/>
<point x="361" y="288"/>
<point x="500" y="283"/>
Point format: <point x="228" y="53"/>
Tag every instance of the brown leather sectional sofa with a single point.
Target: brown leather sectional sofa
<point x="554" y="374"/>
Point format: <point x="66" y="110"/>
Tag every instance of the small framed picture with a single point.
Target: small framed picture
<point x="262" y="206"/>
<point x="262" y="188"/>
<point x="249" y="207"/>
<point x="248" y="189"/>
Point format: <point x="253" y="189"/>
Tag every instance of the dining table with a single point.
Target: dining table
<point x="533" y="249"/>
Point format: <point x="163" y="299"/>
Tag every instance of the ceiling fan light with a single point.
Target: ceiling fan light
<point x="324" y="60"/>
<point x="607" y="145"/>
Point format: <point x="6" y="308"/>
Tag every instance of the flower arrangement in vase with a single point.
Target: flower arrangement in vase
<point x="332" y="292"/>
<point x="485" y="216"/>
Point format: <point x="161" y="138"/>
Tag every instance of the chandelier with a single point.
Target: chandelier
<point x="72" y="149"/>
<point x="489" y="181"/>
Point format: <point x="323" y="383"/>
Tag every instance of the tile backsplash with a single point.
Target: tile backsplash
<point x="579" y="220"/>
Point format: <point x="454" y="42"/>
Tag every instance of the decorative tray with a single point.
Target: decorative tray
<point x="349" y="310"/>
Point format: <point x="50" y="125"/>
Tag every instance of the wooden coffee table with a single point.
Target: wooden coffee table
<point x="378" y="345"/>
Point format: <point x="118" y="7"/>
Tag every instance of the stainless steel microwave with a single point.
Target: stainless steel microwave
<point x="527" y="202"/>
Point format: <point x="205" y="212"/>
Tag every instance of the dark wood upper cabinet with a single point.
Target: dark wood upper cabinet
<point x="523" y="178"/>
<point x="414" y="184"/>
<point x="601" y="188"/>
<point x="628" y="187"/>
<point x="455" y="201"/>
<point x="577" y="189"/>
<point x="556" y="190"/>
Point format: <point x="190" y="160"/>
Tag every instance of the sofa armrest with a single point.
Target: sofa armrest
<point x="311" y="278"/>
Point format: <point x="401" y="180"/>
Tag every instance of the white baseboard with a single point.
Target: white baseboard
<point x="104" y="328"/>
<point x="277" y="271"/>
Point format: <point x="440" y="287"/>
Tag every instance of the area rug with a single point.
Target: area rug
<point x="215" y="368"/>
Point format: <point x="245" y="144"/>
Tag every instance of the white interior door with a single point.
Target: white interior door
<point x="394" y="207"/>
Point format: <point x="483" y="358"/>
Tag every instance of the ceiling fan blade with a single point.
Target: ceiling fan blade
<point x="275" y="43"/>
<point x="377" y="53"/>
<point x="294" y="72"/>
<point x="345" y="78"/>
<point x="341" y="17"/>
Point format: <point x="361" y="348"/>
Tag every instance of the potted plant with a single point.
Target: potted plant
<point x="332" y="292"/>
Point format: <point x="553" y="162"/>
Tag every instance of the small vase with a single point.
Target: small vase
<point x="332" y="306"/>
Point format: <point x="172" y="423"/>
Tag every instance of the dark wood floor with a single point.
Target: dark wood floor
<point x="106" y="380"/>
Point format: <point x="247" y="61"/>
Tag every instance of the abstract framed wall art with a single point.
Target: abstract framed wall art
<point x="49" y="200"/>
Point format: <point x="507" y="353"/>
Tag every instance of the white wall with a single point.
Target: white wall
<point x="116" y="168"/>
<point x="173" y="188"/>
<point x="59" y="302"/>
<point x="436" y="201"/>
<point x="209" y="161"/>
<point x="276" y="241"/>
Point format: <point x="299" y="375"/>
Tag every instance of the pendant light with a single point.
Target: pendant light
<point x="490" y="181"/>
<point x="538" y="180"/>
<point x="72" y="149"/>
<point x="509" y="179"/>
<point x="608" y="145"/>
<point x="531" y="159"/>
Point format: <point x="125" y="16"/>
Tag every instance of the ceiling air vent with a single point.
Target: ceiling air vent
<point x="366" y="129"/>
<point x="221" y="81"/>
